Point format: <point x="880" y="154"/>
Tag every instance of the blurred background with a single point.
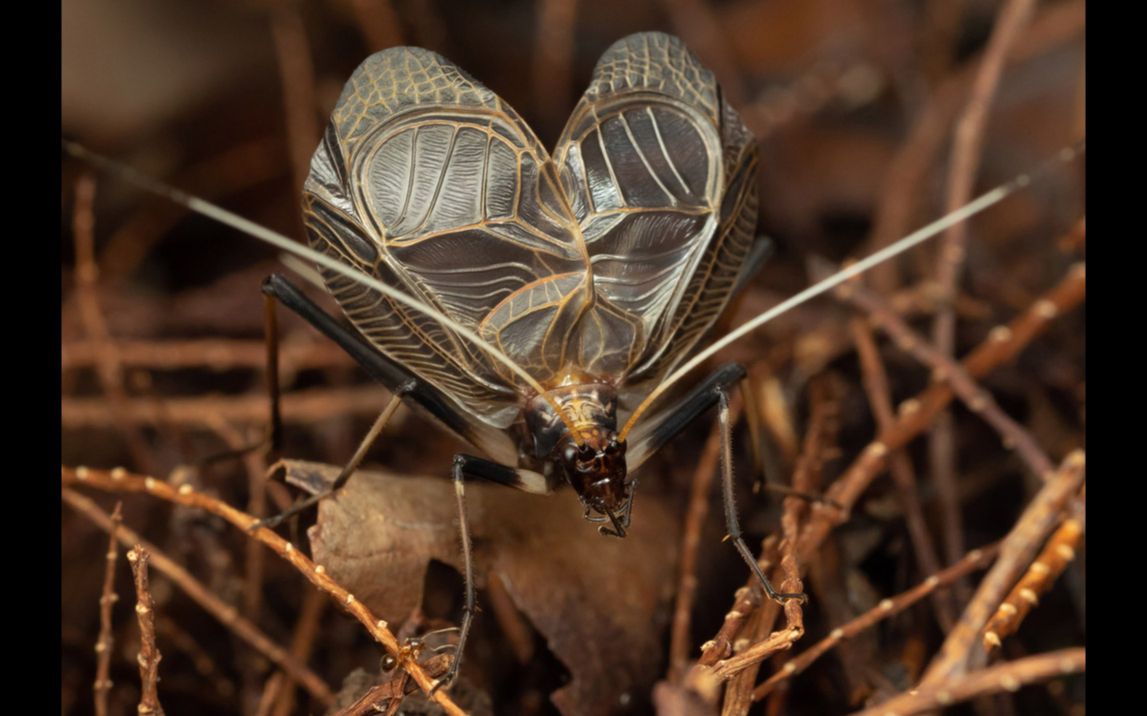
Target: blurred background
<point x="855" y="104"/>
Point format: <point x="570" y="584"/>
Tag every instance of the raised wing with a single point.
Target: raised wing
<point x="429" y="181"/>
<point x="661" y="175"/>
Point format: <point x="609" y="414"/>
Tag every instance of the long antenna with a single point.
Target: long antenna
<point x="919" y="236"/>
<point x="274" y="238"/>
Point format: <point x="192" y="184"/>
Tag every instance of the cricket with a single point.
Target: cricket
<point x="570" y="319"/>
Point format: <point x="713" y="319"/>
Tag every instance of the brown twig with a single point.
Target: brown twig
<point x="813" y="90"/>
<point x="909" y="167"/>
<point x="217" y="354"/>
<point x="875" y="381"/>
<point x="201" y="595"/>
<point x="976" y="559"/>
<point x="149" y="655"/>
<point x="976" y="398"/>
<point x="119" y="481"/>
<point x="185" y="643"/>
<point x="297" y="81"/>
<point x="959" y="653"/>
<point x="699" y="494"/>
<point x="740" y="670"/>
<point x="111" y="370"/>
<point x="108" y="598"/>
<point x="302" y="643"/>
<point x="966" y="154"/>
<point x="915" y="415"/>
<point x="304" y="407"/>
<point x="553" y="54"/>
<point x="1009" y="676"/>
<point x="745" y="600"/>
<point x="1051" y="562"/>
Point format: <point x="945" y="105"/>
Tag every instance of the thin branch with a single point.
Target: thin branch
<point x="111" y="372"/>
<point x="184" y="642"/>
<point x="1054" y="26"/>
<point x="875" y="381"/>
<point x="553" y="55"/>
<point x="217" y="354"/>
<point x="976" y="559"/>
<point x="745" y="600"/>
<point x="108" y="598"/>
<point x="303" y="407"/>
<point x="915" y="415"/>
<point x="119" y="481"/>
<point x="1051" y="562"/>
<point x="976" y="398"/>
<point x="960" y="651"/>
<point x="1009" y="676"/>
<point x="297" y="81"/>
<point x="149" y="656"/>
<point x="302" y="644"/>
<point x="201" y="595"/>
<point x="966" y="151"/>
<point x="776" y="642"/>
<point x="740" y="670"/>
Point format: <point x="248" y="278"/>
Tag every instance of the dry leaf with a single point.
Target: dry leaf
<point x="600" y="602"/>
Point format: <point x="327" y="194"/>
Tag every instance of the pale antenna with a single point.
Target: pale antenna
<point x="919" y="236"/>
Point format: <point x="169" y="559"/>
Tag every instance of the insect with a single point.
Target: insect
<point x="539" y="305"/>
<point x="594" y="271"/>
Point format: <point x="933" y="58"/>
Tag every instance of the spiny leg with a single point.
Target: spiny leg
<point x="460" y="464"/>
<point x="348" y="470"/>
<point x="732" y="524"/>
<point x="480" y="468"/>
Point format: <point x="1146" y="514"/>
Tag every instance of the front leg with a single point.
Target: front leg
<point x="476" y="467"/>
<point x="714" y="390"/>
<point x="732" y="524"/>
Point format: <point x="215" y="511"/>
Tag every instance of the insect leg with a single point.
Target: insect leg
<point x="271" y="329"/>
<point x="732" y="524"/>
<point x="348" y="470"/>
<point x="476" y="467"/>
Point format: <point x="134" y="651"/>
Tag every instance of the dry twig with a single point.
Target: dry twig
<point x="959" y="653"/>
<point x="915" y="415"/>
<point x="976" y="398"/>
<point x="976" y="559"/>
<point x="299" y="407"/>
<point x="119" y="481"/>
<point x="1042" y="573"/>
<point x="201" y="595"/>
<point x="111" y="370"/>
<point x="108" y="598"/>
<point x="1009" y="676"/>
<point x="966" y="151"/>
<point x="875" y="381"/>
<point x="149" y="655"/>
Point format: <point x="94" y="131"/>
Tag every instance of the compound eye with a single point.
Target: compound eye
<point x="613" y="448"/>
<point x="570" y="453"/>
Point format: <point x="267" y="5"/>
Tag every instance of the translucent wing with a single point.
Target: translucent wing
<point x="429" y="181"/>
<point x="661" y="175"/>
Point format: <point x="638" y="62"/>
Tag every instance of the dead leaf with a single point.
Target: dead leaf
<point x="600" y="602"/>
